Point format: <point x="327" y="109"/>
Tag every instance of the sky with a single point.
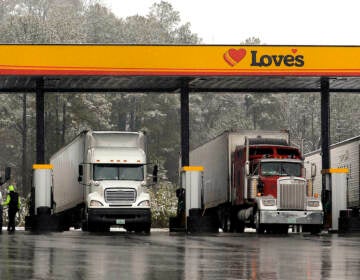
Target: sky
<point x="274" y="22"/>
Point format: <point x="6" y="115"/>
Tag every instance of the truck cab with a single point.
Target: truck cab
<point x="270" y="180"/>
<point x="258" y="167"/>
<point x="115" y="187"/>
<point x="269" y="170"/>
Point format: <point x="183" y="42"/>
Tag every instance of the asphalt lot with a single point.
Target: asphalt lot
<point x="164" y="255"/>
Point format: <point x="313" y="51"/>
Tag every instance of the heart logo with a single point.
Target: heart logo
<point x="294" y="51"/>
<point x="233" y="56"/>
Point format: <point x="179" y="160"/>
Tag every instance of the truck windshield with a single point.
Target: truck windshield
<point x="281" y="169"/>
<point x="133" y="172"/>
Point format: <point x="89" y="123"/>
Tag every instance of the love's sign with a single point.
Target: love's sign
<point x="290" y="59"/>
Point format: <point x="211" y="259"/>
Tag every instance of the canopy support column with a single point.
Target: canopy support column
<point x="325" y="141"/>
<point x="40" y="122"/>
<point x="185" y="132"/>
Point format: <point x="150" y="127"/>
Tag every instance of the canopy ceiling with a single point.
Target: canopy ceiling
<point x="172" y="84"/>
<point x="139" y="68"/>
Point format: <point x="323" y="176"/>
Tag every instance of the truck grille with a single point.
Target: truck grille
<point x="121" y="196"/>
<point x="291" y="194"/>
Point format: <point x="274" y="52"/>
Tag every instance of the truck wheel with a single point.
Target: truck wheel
<point x="142" y="228"/>
<point x="315" y="229"/>
<point x="128" y="228"/>
<point x="238" y="226"/>
<point x="97" y="228"/>
<point x="260" y="229"/>
<point x="147" y="229"/>
<point x="92" y="227"/>
<point x="226" y="223"/>
<point x="281" y="229"/>
<point x="84" y="226"/>
<point x="63" y="225"/>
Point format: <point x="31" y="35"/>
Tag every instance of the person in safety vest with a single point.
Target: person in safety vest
<point x="13" y="203"/>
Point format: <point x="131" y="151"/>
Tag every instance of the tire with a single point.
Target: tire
<point x="64" y="226"/>
<point x="238" y="226"/>
<point x="142" y="228"/>
<point x="129" y="228"/>
<point x="92" y="228"/>
<point x="226" y="223"/>
<point x="260" y="229"/>
<point x="84" y="226"/>
<point x="147" y="230"/>
<point x="280" y="229"/>
<point x="97" y="228"/>
<point x="315" y="229"/>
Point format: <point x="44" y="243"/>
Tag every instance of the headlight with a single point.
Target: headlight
<point x="313" y="203"/>
<point x="269" y="202"/>
<point x="144" y="203"/>
<point x="95" y="203"/>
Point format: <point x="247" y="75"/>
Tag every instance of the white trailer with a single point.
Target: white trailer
<point x="215" y="157"/>
<point x="345" y="154"/>
<point x="99" y="180"/>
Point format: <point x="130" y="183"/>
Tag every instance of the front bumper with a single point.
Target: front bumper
<point x="119" y="216"/>
<point x="292" y="217"/>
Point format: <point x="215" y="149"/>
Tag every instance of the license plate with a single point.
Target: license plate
<point x="291" y="220"/>
<point x="120" y="221"/>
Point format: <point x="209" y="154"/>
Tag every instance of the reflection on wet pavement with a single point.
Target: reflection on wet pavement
<point x="163" y="255"/>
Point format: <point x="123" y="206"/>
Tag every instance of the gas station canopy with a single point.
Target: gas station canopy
<point x="210" y="68"/>
<point x="180" y="69"/>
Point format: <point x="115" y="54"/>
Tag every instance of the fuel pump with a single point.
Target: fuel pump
<point x="40" y="214"/>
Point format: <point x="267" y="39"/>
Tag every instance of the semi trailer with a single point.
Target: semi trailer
<point x="343" y="155"/>
<point x="254" y="179"/>
<point x="98" y="180"/>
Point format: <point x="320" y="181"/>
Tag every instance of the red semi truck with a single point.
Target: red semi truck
<point x="254" y="179"/>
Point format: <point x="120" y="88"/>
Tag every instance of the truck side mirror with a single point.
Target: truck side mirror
<point x="155" y="174"/>
<point x="7" y="173"/>
<point x="313" y="170"/>
<point x="247" y="169"/>
<point x="81" y="172"/>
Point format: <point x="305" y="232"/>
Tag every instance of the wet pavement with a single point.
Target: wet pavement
<point x="164" y="255"/>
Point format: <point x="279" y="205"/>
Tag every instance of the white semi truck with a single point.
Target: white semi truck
<point x="99" y="180"/>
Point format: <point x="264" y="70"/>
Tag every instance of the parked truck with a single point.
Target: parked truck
<point x="254" y="179"/>
<point x="99" y="180"/>
<point x="344" y="154"/>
